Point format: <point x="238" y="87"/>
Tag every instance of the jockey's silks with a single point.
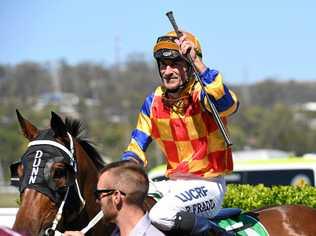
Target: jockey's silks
<point x="189" y="138"/>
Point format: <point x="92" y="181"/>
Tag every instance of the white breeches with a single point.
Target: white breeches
<point x="201" y="197"/>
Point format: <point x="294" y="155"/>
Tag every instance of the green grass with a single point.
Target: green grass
<point x="9" y="199"/>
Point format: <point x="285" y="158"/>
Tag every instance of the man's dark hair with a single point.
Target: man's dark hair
<point x="130" y="178"/>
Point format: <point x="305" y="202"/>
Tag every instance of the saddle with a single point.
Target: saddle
<point x="228" y="222"/>
<point x="226" y="213"/>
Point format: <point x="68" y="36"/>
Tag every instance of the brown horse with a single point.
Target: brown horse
<point x="47" y="170"/>
<point x="291" y="220"/>
<point x="58" y="168"/>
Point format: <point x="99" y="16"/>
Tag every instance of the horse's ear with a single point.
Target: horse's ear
<point x="29" y="130"/>
<point x="58" y="126"/>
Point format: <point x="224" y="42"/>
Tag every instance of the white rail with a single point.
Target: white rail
<point x="7" y="216"/>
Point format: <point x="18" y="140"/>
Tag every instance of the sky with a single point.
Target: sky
<point x="247" y="41"/>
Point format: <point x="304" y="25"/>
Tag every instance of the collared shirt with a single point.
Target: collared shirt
<point x="142" y="228"/>
<point x="190" y="139"/>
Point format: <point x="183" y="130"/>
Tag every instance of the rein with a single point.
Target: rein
<point x="92" y="223"/>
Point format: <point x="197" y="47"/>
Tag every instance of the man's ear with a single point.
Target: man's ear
<point x="117" y="201"/>
<point x="28" y="129"/>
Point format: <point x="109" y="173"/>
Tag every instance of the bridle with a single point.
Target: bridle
<point x="71" y="154"/>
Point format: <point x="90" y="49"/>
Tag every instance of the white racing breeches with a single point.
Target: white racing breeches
<point x="200" y="197"/>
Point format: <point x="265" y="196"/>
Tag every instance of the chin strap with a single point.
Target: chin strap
<point x="179" y="104"/>
<point x="179" y="88"/>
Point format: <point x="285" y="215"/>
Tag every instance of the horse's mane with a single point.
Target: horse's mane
<point x="77" y="130"/>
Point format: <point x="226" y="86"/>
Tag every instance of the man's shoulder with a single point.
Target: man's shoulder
<point x="150" y="99"/>
<point x="145" y="227"/>
<point x="158" y="91"/>
<point x="152" y="230"/>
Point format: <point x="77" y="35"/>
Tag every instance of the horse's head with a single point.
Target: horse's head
<point x="48" y="177"/>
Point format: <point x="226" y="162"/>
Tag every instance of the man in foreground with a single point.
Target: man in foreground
<point x="121" y="191"/>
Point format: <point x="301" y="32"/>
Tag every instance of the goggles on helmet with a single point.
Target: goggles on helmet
<point x="166" y="48"/>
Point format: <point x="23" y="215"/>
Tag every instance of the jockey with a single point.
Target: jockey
<point x="178" y="117"/>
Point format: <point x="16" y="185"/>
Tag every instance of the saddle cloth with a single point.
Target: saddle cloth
<point x="248" y="225"/>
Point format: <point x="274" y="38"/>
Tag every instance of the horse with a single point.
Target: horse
<point x="59" y="166"/>
<point x="287" y="220"/>
<point x="57" y="176"/>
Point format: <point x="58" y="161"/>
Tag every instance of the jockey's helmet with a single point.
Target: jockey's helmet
<point x="166" y="47"/>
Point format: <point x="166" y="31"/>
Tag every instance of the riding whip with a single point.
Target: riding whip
<point x="196" y="73"/>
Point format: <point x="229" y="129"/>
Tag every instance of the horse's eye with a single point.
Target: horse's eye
<point x="59" y="173"/>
